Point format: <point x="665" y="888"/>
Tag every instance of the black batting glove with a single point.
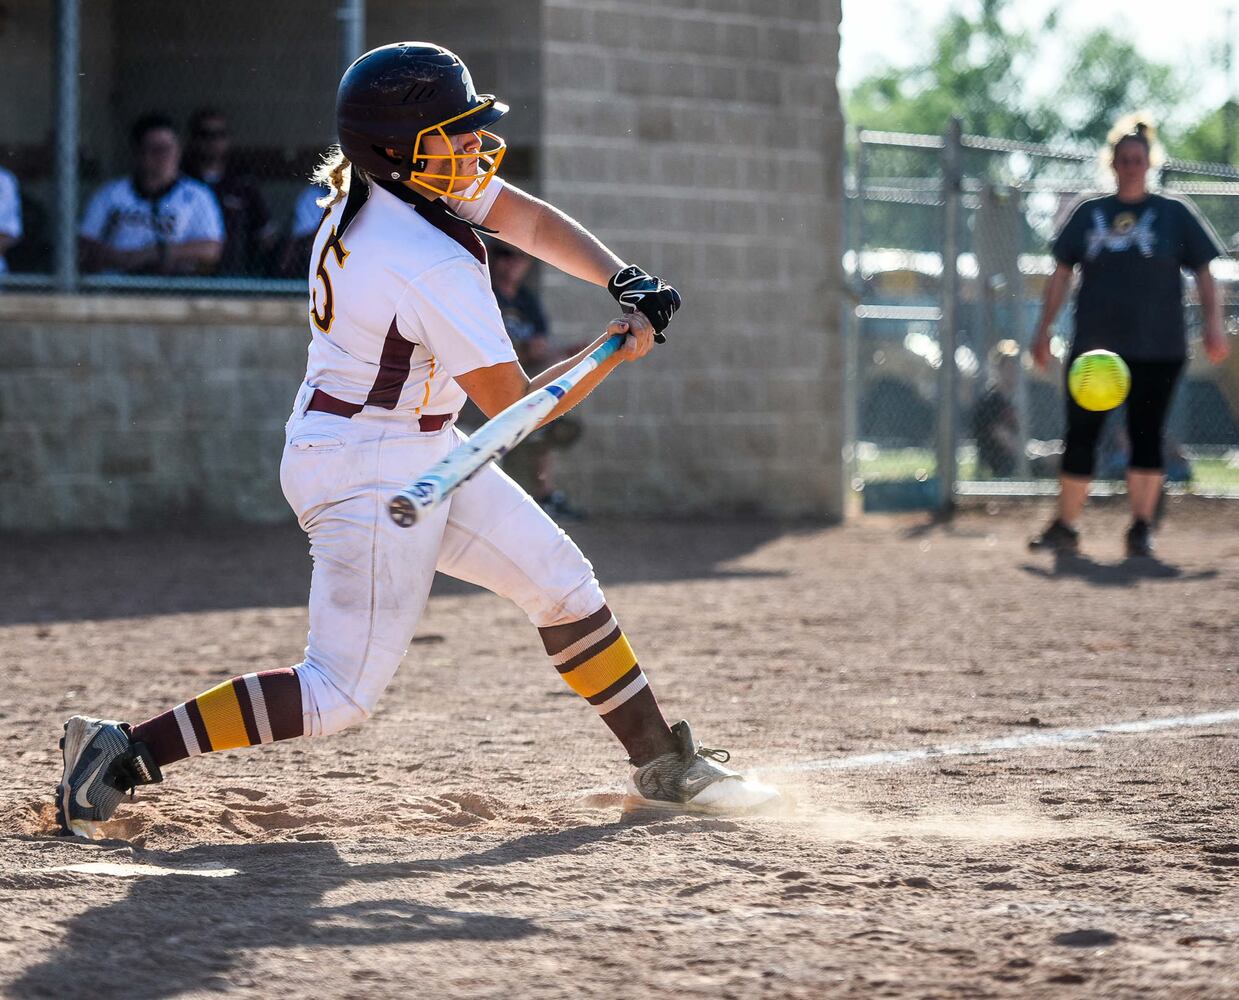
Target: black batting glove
<point x="648" y="294"/>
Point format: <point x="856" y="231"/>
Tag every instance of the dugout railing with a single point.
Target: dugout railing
<point x="937" y="356"/>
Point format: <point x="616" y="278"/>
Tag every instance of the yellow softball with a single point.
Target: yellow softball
<point x="1098" y="380"/>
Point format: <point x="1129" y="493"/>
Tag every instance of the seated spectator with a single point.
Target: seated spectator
<point x="994" y="422"/>
<point x="155" y="221"/>
<point x="532" y="463"/>
<point x="10" y="215"/>
<point x="307" y="214"/>
<point x="249" y="234"/>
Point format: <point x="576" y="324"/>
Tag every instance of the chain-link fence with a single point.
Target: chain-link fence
<point x="943" y="397"/>
<point x="163" y="146"/>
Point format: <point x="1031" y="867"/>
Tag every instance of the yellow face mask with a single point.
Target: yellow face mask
<point x="488" y="158"/>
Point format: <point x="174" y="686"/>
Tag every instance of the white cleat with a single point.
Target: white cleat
<point x="692" y="779"/>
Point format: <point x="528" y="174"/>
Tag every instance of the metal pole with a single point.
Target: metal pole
<point x="948" y="403"/>
<point x="68" y="112"/>
<point x="853" y="294"/>
<point x="1231" y="108"/>
<point x="1019" y="323"/>
<point x="352" y="17"/>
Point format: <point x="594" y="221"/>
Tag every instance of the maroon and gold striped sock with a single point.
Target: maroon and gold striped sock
<point x="594" y="658"/>
<point x="242" y="712"/>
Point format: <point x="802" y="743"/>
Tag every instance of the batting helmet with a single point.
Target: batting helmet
<point x="394" y="97"/>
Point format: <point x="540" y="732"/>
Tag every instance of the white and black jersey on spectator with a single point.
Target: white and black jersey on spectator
<point x="120" y="217"/>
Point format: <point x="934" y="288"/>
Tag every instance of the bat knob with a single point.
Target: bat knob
<point x="402" y="511"/>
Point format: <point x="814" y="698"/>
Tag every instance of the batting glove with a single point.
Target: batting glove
<point x="635" y="290"/>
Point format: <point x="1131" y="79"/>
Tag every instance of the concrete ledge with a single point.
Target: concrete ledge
<point x="195" y="310"/>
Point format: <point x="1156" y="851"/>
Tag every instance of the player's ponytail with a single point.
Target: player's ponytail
<point x="333" y="173"/>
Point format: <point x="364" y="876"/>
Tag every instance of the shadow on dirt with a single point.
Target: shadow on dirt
<point x="181" y="933"/>
<point x="95" y="576"/>
<point x="1127" y="573"/>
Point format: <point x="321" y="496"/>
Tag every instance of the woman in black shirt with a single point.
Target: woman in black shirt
<point x="1131" y="248"/>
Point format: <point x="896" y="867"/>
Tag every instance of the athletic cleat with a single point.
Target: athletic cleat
<point x="1057" y="537"/>
<point x="1139" y="539"/>
<point x="692" y="779"/>
<point x="102" y="763"/>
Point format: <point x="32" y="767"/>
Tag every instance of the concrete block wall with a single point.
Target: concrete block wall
<point x="120" y="413"/>
<point x="702" y="139"/>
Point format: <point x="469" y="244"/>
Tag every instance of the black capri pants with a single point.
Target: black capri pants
<point x="1152" y="388"/>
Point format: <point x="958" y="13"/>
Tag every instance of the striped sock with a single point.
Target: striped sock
<point x="594" y="658"/>
<point x="242" y="712"/>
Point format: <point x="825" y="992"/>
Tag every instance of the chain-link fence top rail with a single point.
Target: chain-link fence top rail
<point x="196" y="125"/>
<point x="1012" y="197"/>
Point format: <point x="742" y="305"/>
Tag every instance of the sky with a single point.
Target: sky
<point x="879" y="31"/>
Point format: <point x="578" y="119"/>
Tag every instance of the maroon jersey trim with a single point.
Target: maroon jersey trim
<point x="393" y="370"/>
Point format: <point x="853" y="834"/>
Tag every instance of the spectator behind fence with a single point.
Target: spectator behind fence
<point x="1131" y="248"/>
<point x="155" y="221"/>
<point x="307" y="214"/>
<point x="994" y="423"/>
<point x="10" y="215"/>
<point x="249" y="234"/>
<point x="532" y="464"/>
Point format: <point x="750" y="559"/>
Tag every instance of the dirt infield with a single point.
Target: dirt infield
<point x="467" y="841"/>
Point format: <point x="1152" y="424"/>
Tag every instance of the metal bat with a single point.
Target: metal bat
<point x="492" y="440"/>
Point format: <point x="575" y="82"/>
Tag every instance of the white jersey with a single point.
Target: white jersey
<point x="399" y="306"/>
<point x="10" y="210"/>
<point x="125" y="220"/>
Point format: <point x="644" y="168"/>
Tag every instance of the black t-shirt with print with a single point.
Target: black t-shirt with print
<point x="1131" y="257"/>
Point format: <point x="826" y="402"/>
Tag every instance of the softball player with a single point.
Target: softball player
<point x="404" y="325"/>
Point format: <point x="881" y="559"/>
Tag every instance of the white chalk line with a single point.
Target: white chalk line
<point x="116" y="870"/>
<point x="1021" y="741"/>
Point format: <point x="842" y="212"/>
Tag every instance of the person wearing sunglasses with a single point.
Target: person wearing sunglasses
<point x="249" y="233"/>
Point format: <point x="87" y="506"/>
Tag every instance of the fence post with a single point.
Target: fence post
<point x="851" y="327"/>
<point x="68" y="111"/>
<point x="948" y="381"/>
<point x="352" y="17"/>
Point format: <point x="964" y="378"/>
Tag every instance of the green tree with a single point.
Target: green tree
<point x="1214" y="139"/>
<point x="975" y="69"/>
<point x="1109" y="78"/>
<point x="979" y="70"/>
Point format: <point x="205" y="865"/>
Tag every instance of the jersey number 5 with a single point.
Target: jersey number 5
<point x="323" y="315"/>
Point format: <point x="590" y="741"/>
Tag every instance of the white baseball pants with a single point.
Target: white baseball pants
<point x="371" y="578"/>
